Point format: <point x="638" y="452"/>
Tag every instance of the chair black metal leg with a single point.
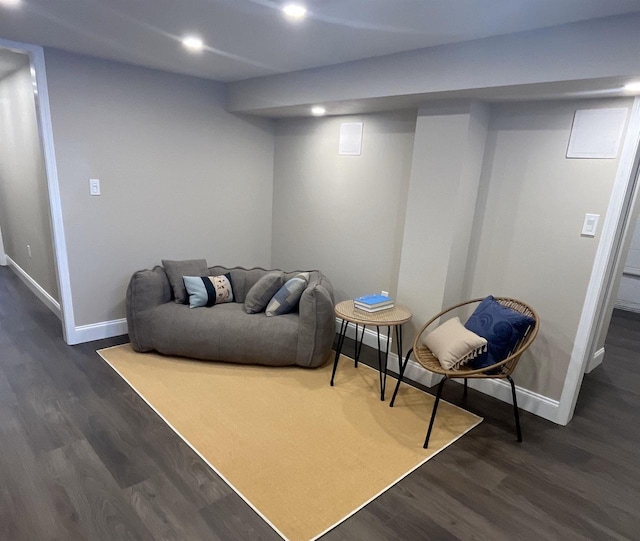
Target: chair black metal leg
<point x="343" y="332"/>
<point x="515" y="408"/>
<point x="403" y="365"/>
<point x="465" y="388"/>
<point x="433" y="413"/>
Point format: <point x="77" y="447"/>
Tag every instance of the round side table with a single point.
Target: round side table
<point x="392" y="317"/>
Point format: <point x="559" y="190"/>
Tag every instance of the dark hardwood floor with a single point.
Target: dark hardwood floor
<point x="82" y="457"/>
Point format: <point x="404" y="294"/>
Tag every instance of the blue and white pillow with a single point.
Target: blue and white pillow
<point x="208" y="290"/>
<point x="501" y="326"/>
<point x="288" y="296"/>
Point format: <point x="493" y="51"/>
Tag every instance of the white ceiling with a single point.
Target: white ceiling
<point x="250" y="38"/>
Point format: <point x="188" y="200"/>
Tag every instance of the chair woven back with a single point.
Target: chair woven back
<point x="501" y="369"/>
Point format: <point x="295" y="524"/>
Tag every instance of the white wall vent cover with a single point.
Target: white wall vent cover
<point x="596" y="133"/>
<point x="350" y="139"/>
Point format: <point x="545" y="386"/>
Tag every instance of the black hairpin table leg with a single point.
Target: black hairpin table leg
<point x="343" y="332"/>
<point x="358" y="344"/>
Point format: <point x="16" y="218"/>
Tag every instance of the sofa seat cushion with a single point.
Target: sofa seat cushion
<point x="224" y="332"/>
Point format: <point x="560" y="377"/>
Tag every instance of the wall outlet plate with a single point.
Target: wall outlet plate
<point x="94" y="186"/>
<point x="590" y="225"/>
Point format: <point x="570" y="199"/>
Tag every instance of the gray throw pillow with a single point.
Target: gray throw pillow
<point x="177" y="269"/>
<point x="260" y="294"/>
<point x="288" y="296"/>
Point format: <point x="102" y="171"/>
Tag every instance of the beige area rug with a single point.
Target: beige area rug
<point x="303" y="454"/>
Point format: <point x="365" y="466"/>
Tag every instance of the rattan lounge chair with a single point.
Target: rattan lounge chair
<point x="502" y="369"/>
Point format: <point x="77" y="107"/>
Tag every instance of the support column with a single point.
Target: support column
<point x="443" y="190"/>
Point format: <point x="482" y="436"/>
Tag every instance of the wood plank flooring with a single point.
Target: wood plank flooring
<point x="83" y="457"/>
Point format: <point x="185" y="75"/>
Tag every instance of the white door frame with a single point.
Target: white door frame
<point x="3" y="256"/>
<point x="602" y="274"/>
<point x="39" y="77"/>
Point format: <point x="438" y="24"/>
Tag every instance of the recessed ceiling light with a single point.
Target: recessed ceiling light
<point x="633" y="87"/>
<point x="294" y="11"/>
<point x="318" y="110"/>
<point x="10" y="3"/>
<point x="193" y="43"/>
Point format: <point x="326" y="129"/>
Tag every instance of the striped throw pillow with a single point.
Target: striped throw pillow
<point x="208" y="290"/>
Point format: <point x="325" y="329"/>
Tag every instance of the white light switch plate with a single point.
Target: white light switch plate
<point x="94" y="186"/>
<point x="590" y="224"/>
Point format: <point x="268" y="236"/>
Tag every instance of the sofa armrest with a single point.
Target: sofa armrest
<point x="317" y="327"/>
<point x="147" y="289"/>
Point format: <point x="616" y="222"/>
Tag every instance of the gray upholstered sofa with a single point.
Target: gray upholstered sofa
<point x="225" y="332"/>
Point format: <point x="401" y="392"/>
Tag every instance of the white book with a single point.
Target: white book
<point x="375" y="309"/>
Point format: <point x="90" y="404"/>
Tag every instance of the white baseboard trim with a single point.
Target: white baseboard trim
<point x="595" y="361"/>
<point x="627" y="305"/>
<point x="370" y="336"/>
<point x="530" y="401"/>
<point x="414" y="371"/>
<point x="98" y="331"/>
<point x="35" y="287"/>
<point x="3" y="256"/>
<point x="535" y="403"/>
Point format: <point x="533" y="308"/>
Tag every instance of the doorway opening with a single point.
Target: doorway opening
<point x="30" y="210"/>
<point x="621" y="314"/>
<point x="615" y="238"/>
<point x="628" y="290"/>
<point x="25" y="224"/>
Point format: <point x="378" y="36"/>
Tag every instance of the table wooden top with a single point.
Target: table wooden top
<point x="393" y="316"/>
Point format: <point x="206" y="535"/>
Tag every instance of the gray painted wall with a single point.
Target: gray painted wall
<point x="524" y="239"/>
<point x="532" y="204"/>
<point x="343" y="215"/>
<point x="181" y="178"/>
<point x="24" y="200"/>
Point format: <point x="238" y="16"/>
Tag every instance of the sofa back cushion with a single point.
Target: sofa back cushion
<point x="177" y="269"/>
<point x="242" y="280"/>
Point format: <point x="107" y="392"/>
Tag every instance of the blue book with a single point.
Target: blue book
<point x="372" y="300"/>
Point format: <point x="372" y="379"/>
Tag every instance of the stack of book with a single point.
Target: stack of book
<point x="373" y="303"/>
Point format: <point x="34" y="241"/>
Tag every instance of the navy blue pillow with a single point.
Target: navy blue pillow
<point x="501" y="326"/>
